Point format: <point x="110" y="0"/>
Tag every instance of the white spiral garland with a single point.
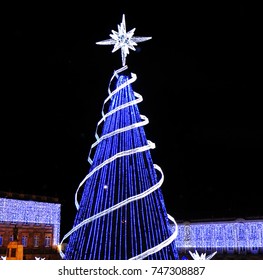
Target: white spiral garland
<point x="150" y="145"/>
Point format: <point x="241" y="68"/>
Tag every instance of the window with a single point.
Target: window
<point x="11" y="238"/>
<point x="24" y="240"/>
<point x="47" y="241"/>
<point x="36" y="240"/>
<point x="1" y="240"/>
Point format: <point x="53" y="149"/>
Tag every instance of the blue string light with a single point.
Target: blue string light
<point x="121" y="213"/>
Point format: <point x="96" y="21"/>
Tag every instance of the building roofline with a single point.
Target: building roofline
<point x="23" y="196"/>
<point x="223" y="219"/>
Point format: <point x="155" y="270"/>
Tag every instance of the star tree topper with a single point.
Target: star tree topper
<point x="123" y="40"/>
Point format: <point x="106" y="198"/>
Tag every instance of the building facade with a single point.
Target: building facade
<point x="37" y="221"/>
<point x="231" y="239"/>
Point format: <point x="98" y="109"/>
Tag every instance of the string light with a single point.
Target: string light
<point x="228" y="236"/>
<point x="129" y="221"/>
<point x="27" y="211"/>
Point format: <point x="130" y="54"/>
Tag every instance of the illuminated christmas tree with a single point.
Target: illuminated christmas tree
<point x="121" y="214"/>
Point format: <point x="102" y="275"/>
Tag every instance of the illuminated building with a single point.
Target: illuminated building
<point x="232" y="239"/>
<point x="37" y="219"/>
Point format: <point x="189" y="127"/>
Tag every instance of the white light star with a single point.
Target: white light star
<point x="123" y="40"/>
<point x="203" y="256"/>
<point x="39" y="259"/>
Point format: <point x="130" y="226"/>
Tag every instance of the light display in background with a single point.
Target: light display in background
<point x="226" y="236"/>
<point x="27" y="211"/>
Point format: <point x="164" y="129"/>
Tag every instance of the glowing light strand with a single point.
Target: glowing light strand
<point x="104" y="116"/>
<point x="124" y="202"/>
<point x="111" y="94"/>
<point x="118" y="155"/>
<point x="150" y="145"/>
<point x="161" y="245"/>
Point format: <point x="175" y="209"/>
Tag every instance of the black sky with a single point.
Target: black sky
<point x="197" y="77"/>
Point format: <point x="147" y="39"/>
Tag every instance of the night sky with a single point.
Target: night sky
<point x="197" y="76"/>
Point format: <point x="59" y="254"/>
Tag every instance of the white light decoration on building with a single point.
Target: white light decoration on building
<point x="236" y="236"/>
<point x="27" y="211"/>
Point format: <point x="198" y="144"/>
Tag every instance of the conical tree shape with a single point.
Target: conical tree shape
<point x="121" y="213"/>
